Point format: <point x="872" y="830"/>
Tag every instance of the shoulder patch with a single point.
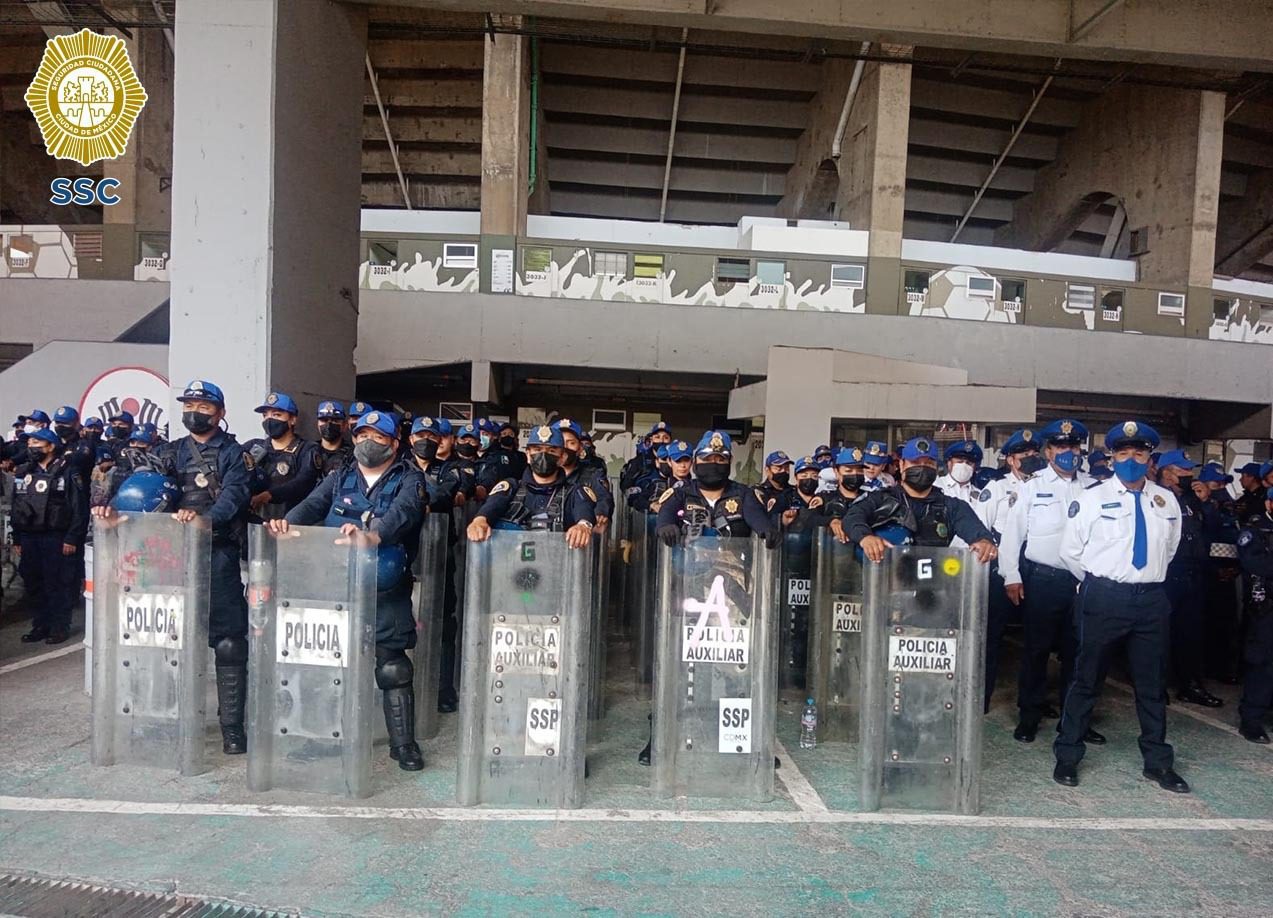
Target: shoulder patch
<point x="1245" y="538"/>
<point x="592" y="495"/>
<point x="985" y="495"/>
<point x="1074" y="509"/>
<point x="466" y="469"/>
<point x="665" y="495"/>
<point x="500" y="488"/>
<point x="248" y="461"/>
<point x="771" y="502"/>
<point x="1012" y="498"/>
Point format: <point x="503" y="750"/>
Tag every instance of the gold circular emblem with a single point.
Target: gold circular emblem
<point x="563" y="423"/>
<point x="41" y="486"/>
<point x="1066" y="427"/>
<point x="272" y="399"/>
<point x="86" y="97"/>
<point x="201" y="480"/>
<point x="1158" y="501"/>
<point x="1027" y="435"/>
<point x="371" y="418"/>
<point x="857" y="455"/>
<point x="1129" y="429"/>
<point x="282" y="468"/>
<point x="716" y="442"/>
<point x="426" y="422"/>
<point x="545" y="432"/>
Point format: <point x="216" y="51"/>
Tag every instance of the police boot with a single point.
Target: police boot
<point x="231" y="655"/>
<point x="400" y="720"/>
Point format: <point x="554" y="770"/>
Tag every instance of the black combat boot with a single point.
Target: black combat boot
<point x="400" y="720"/>
<point x="232" y="696"/>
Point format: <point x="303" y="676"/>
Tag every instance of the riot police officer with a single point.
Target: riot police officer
<point x="287" y="464"/>
<point x="50" y="520"/>
<point x="800" y="508"/>
<point x="588" y="455"/>
<point x="1255" y="550"/>
<point x="659" y="435"/>
<point x="777" y="482"/>
<point x="680" y="466"/>
<point x="850" y="476"/>
<point x="1250" y="502"/>
<point x="876" y="462"/>
<point x="1223" y="631"/>
<point x="651" y="483"/>
<point x="713" y="502"/>
<point x="594" y="484"/>
<point x="118" y="430"/>
<point x="505" y="444"/>
<point x="543" y="499"/>
<point x="382" y="498"/>
<point x="79" y="452"/>
<point x="333" y="451"/>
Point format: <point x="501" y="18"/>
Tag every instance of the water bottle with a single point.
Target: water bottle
<point x="809" y="725"/>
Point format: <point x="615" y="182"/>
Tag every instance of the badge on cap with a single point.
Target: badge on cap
<point x="717" y="442"/>
<point x="969" y="446"/>
<point x="563" y="422"/>
<point x="197" y="384"/>
<point x="875" y="449"/>
<point x="1027" y="435"/>
<point x="372" y="418"/>
<point x="272" y="399"/>
<point x="857" y="455"/>
<point x="426" y="422"/>
<point x="1129" y="429"/>
<point x="1066" y="427"/>
<point x="545" y="432"/>
<point x="923" y="446"/>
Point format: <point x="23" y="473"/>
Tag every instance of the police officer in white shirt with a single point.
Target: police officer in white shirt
<point x="1119" y="538"/>
<point x="1040" y="583"/>
<point x="962" y="461"/>
<point x="875" y="460"/>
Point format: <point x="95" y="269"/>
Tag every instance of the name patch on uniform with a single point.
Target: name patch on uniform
<point x="1044" y="494"/>
<point x="1114" y="506"/>
<point x="533" y="649"/>
<point x="543" y="726"/>
<point x="151" y="620"/>
<point x="312" y="637"/>
<point x="846" y="614"/>
<point x="921" y="655"/>
<point x="1074" y="509"/>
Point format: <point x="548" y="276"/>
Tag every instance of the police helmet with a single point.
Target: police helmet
<point x="391" y="566"/>
<point x="147" y="491"/>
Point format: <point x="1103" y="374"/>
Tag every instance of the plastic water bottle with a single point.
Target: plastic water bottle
<point x="809" y="725"/>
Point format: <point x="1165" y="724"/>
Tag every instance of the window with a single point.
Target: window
<point x="459" y="255"/>
<point x="647" y="265"/>
<point x="1171" y="304"/>
<point x="851" y="276"/>
<point x="1220" y="310"/>
<point x="1080" y="296"/>
<point x="733" y="270"/>
<point x="381" y="252"/>
<point x="606" y="419"/>
<point x="983" y="287"/>
<point x="456" y="411"/>
<point x="1112" y="305"/>
<point x="87" y="245"/>
<point x="614" y="264"/>
<point x="771" y="272"/>
<point x="916" y="283"/>
<point x="1013" y="294"/>
<point x="536" y="259"/>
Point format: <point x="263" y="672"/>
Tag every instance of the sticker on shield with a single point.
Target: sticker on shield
<point x="703" y="642"/>
<point x="312" y="637"/>
<point x="151" y="619"/>
<point x="921" y="654"/>
<point x="543" y="726"/>
<point x="525" y="648"/>
<point x="735" y="726"/>
<point x="846" y="614"/>
<point x="797" y="591"/>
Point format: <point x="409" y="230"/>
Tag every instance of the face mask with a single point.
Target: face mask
<point x="1067" y="461"/>
<point x="465" y="450"/>
<point x="65" y="431"/>
<point x="1185" y="482"/>
<point x="920" y="477"/>
<point x="91" y="435"/>
<point x="852" y="482"/>
<point x="274" y="427"/>
<point x="329" y="432"/>
<point x="665" y="468"/>
<point x="711" y="474"/>
<point x="509" y="443"/>
<point x="485" y="440"/>
<point x="961" y="472"/>
<point x="38" y="455"/>
<point x="781" y="479"/>
<point x="808" y="486"/>
<point x="1129" y="470"/>
<point x="543" y="464"/>
<point x="1032" y="464"/>
<point x="372" y="454"/>
<point x="425" y="449"/>
<point x="120" y="433"/>
<point x="30" y="429"/>
<point x="570" y="460"/>
<point x="195" y="422"/>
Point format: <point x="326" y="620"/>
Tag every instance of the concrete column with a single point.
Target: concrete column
<point x="505" y="132"/>
<point x="267" y="134"/>
<point x="1158" y="151"/>
<point x="1245" y="228"/>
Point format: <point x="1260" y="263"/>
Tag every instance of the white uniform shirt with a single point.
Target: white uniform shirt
<point x="885" y="480"/>
<point x="998" y="497"/>
<point x="1100" y="532"/>
<point x="1038" y="519"/>
<point x="965" y="492"/>
<point x="828" y="481"/>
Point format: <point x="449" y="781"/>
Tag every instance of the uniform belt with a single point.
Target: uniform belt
<point x="1046" y="570"/>
<point x="1131" y="588"/>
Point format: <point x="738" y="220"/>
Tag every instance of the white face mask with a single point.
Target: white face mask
<point x="961" y="472"/>
<point x="30" y="429"/>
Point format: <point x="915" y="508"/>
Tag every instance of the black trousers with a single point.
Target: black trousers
<point x="1106" y="613"/>
<point x="1186" y="592"/>
<point x="1257" y="676"/>
<point x="1048" y="617"/>
<point x="49" y="578"/>
<point x="227" y="605"/>
<point x="1222" y="651"/>
<point x="998" y="611"/>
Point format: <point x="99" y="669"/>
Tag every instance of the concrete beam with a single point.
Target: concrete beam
<point x="979" y="102"/>
<point x="1244" y="233"/>
<point x="605" y="173"/>
<point x="620" y="206"/>
<point x="967" y="138"/>
<point x="656" y="105"/>
<point x="505" y="134"/>
<point x="623" y="64"/>
<point x="412" y="54"/>
<point x="422" y="162"/>
<point x="690" y="144"/>
<point x="442" y="195"/>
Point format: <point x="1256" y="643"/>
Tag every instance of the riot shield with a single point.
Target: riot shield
<point x="150" y="641"/>
<point x="429" y="602"/>
<point x="923" y="652"/>
<point x="793" y="597"/>
<point x="461" y="516"/>
<point x="643" y="597"/>
<point x="597" y="632"/>
<point x="835" y="638"/>
<point x="524" y="697"/>
<point x="715" y="692"/>
<point x="311" y="661"/>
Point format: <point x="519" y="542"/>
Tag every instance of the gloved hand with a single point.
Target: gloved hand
<point x="773" y="539"/>
<point x="669" y="535"/>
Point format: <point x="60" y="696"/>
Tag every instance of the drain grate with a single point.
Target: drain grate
<point x="33" y="897"/>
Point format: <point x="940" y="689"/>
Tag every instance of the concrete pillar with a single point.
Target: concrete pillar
<point x="1244" y="233"/>
<point x="505" y="132"/>
<point x="799" y="398"/>
<point x="1158" y="151"/>
<point x="267" y="134"/>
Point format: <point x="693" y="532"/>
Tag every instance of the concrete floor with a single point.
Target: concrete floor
<point x="1117" y="845"/>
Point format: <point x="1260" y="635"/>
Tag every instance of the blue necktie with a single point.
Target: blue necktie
<point x="1140" y="548"/>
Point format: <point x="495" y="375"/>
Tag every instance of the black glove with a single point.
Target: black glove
<point x="669" y="535"/>
<point x="773" y="539"/>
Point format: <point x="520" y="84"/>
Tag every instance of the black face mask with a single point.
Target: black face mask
<point x="711" y="475"/>
<point x="66" y="431"/>
<point x="1186" y="482"/>
<point x="543" y="464"/>
<point x="275" y="427"/>
<point x="509" y="443"/>
<point x="920" y="477"/>
<point x="466" y="450"/>
<point x="570" y="460"/>
<point x="91" y="435"/>
<point x="781" y="479"/>
<point x="425" y="449"/>
<point x="37" y="455"/>
<point x="120" y="433"/>
<point x="330" y="432"/>
<point x="197" y="423"/>
<point x="852" y="482"/>
<point x="808" y="486"/>
<point x="1032" y="464"/>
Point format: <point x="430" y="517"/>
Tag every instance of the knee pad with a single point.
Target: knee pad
<point x="393" y="669"/>
<point x="231" y="651"/>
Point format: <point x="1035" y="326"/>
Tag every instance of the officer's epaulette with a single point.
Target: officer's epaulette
<point x="1095" y="484"/>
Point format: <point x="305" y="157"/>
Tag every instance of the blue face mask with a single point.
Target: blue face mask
<point x="1129" y="470"/>
<point x="1067" y="461"/>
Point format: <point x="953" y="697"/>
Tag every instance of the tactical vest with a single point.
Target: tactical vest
<point x="1194" y="548"/>
<point x="932" y="530"/>
<point x="724" y="519"/>
<point x="551" y="518"/>
<point x="333" y="460"/>
<point x="40" y="501"/>
<point x="198" y="475"/>
<point x="279" y="466"/>
<point x="350" y="505"/>
<point x="1259" y="589"/>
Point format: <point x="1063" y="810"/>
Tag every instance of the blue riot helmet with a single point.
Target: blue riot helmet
<point x="147" y="491"/>
<point x="391" y="566"/>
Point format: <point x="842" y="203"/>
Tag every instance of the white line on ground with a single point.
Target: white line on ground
<point x="42" y="658"/>
<point x="802" y="793"/>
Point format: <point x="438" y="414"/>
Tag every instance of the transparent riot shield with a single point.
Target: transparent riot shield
<point x="597" y="632"/>
<point x="793" y="597"/>
<point x="311" y="661"/>
<point x="150" y="641"/>
<point x="715" y="692"/>
<point x="923" y="652"/>
<point x="461" y="517"/>
<point x="644" y="595"/>
<point x="835" y="638"/>
<point x="524" y="697"/>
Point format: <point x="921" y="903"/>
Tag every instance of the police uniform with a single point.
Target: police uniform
<point x="1255" y="551"/>
<point x="677" y="450"/>
<point x="119" y="430"/>
<point x="1222" y="571"/>
<point x="331" y="458"/>
<point x="966" y="491"/>
<point x="288" y="474"/>
<point x="81" y="454"/>
<point x="836" y="503"/>
<point x="594" y="484"/>
<point x="527" y="504"/>
<point x="808" y="507"/>
<point x="392" y="507"/>
<point x="651" y="483"/>
<point x="877" y="457"/>
<point x="1119" y="542"/>
<point x="506" y="443"/>
<point x="687" y="511"/>
<point x="49" y="510"/>
<point x="772" y="493"/>
<point x="1032" y="532"/>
